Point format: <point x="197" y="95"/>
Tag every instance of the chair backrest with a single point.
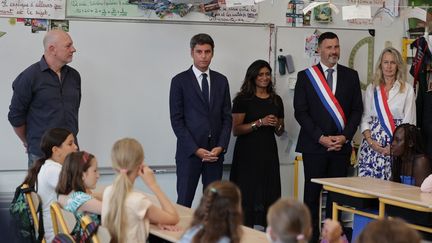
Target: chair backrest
<point x="33" y="201"/>
<point x="63" y="238"/>
<point x="102" y="235"/>
<point x="63" y="221"/>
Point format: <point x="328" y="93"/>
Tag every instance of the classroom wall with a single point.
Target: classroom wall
<point x="272" y="12"/>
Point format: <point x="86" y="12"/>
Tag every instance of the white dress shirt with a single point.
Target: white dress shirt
<point x="402" y="105"/>
<point x="199" y="76"/>
<point x="324" y="67"/>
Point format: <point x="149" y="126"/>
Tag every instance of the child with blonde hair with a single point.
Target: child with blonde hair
<point x="289" y="221"/>
<point x="127" y="213"/>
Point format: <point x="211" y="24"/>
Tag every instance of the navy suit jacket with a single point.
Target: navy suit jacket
<point x="191" y="119"/>
<point x="313" y="117"/>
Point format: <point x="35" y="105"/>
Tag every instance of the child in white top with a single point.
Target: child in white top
<point x="127" y="213"/>
<point x="56" y="143"/>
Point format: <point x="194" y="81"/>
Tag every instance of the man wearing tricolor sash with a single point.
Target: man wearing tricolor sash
<point x="328" y="106"/>
<point x="389" y="101"/>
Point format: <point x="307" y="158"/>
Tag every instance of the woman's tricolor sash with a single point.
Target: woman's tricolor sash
<point x="384" y="115"/>
<point x="326" y="96"/>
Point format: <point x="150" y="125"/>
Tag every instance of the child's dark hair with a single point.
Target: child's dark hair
<point x="413" y="146"/>
<point x="70" y="179"/>
<point x="51" y="138"/>
<point x="219" y="212"/>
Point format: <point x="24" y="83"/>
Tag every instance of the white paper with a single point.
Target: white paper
<point x="356" y="12"/>
<point x="239" y="3"/>
<point x="393" y="6"/>
<point x="416" y="12"/>
<point x="313" y="5"/>
<point x="35" y="9"/>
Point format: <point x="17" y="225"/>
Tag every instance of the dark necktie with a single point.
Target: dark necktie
<point x="205" y="88"/>
<point x="330" y="78"/>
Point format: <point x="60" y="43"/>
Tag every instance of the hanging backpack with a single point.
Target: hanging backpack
<point x="22" y="219"/>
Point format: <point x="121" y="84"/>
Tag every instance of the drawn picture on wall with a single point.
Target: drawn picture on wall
<point x="323" y="13"/>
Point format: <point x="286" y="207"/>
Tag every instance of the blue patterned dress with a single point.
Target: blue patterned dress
<point x="76" y="200"/>
<point x="401" y="103"/>
<point x="371" y="163"/>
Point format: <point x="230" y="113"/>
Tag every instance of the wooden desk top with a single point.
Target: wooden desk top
<point x="380" y="188"/>
<point x="186" y="214"/>
<point x="249" y="235"/>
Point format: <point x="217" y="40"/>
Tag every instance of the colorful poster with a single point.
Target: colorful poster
<point x="37" y="9"/>
<point x="311" y="46"/>
<point x="294" y="14"/>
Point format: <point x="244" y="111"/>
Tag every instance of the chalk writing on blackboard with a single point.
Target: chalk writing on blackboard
<point x="37" y="9"/>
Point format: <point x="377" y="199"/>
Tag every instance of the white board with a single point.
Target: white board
<point x="126" y="69"/>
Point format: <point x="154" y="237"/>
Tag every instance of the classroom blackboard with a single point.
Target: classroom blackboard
<point x="126" y="69"/>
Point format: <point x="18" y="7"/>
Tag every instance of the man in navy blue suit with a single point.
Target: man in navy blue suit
<point x="200" y="112"/>
<point x="328" y="106"/>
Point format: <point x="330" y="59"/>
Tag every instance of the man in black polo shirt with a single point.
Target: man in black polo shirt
<point x="46" y="95"/>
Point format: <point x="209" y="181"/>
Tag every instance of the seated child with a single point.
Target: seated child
<point x="289" y="221"/>
<point x="410" y="164"/>
<point x="392" y="230"/>
<point x="56" y="143"/>
<point x="78" y="176"/>
<point x="127" y="213"/>
<point x="218" y="218"/>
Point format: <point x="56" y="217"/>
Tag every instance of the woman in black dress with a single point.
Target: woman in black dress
<point x="257" y="116"/>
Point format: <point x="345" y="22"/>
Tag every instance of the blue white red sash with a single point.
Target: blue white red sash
<point x="326" y="96"/>
<point x="384" y="115"/>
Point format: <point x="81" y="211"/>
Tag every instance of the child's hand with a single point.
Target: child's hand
<point x="169" y="227"/>
<point x="147" y="175"/>
<point x="332" y="231"/>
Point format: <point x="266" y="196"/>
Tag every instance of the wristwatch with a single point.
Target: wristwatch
<point x="254" y="126"/>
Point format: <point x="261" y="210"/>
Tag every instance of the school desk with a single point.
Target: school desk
<point x="186" y="214"/>
<point x="353" y="193"/>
